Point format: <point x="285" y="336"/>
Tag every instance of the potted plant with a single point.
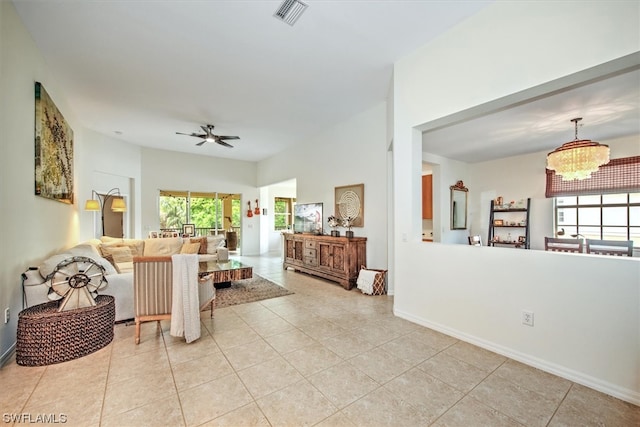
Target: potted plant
<point x="348" y="223"/>
<point x="333" y="223"/>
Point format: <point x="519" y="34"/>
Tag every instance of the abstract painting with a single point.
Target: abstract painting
<point x="53" y="150"/>
<point x="349" y="201"/>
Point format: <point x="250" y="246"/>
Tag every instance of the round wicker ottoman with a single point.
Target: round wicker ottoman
<point x="46" y="337"/>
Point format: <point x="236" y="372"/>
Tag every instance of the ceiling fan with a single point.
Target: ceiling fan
<point x="208" y="136"/>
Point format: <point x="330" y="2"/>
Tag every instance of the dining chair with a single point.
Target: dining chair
<point x="555" y="244"/>
<point x="475" y="240"/>
<point x="610" y="247"/>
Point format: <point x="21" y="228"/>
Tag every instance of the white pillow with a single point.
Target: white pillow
<point x="50" y="264"/>
<point x="215" y="242"/>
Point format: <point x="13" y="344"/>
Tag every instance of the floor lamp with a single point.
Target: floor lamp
<point x="117" y="203"/>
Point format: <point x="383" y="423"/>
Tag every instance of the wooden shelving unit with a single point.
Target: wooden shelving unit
<point x="501" y="219"/>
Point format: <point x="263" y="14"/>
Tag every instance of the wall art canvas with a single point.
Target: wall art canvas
<point x="349" y="201"/>
<point x="53" y="150"/>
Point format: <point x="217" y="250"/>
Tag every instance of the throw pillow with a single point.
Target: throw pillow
<point x="203" y="244"/>
<point x="112" y="262"/>
<point x="215" y="242"/>
<point x="120" y="254"/>
<point x="190" y="248"/>
<point x="164" y="246"/>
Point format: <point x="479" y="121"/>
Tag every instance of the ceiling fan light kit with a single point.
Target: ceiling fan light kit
<point x="208" y="136"/>
<point x="579" y="158"/>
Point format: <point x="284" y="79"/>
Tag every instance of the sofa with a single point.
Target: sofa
<point x="116" y="255"/>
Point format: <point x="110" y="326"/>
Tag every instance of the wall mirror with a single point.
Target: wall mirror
<point x="459" y="206"/>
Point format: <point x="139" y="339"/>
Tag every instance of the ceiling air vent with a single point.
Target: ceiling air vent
<point x="290" y="10"/>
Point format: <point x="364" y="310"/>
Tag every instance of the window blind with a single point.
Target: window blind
<point x="617" y="176"/>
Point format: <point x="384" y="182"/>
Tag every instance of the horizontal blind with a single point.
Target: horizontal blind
<point x="617" y="176"/>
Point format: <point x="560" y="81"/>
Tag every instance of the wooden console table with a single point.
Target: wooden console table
<point x="333" y="258"/>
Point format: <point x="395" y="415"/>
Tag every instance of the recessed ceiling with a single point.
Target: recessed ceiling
<point x="149" y="69"/>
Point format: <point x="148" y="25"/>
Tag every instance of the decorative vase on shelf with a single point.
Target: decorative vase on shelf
<point x="349" y="234"/>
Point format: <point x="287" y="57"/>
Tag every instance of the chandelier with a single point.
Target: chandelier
<point x="579" y="158"/>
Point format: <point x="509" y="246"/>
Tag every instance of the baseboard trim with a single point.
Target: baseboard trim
<point x="7" y="355"/>
<point x="614" y="390"/>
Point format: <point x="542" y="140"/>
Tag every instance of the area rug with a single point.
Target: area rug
<point x="249" y="290"/>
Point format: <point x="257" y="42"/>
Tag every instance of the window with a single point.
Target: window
<point x="283" y="207"/>
<point x="207" y="211"/>
<point x="603" y="216"/>
<point x="173" y="210"/>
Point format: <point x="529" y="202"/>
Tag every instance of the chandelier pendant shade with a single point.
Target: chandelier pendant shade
<point x="579" y="158"/>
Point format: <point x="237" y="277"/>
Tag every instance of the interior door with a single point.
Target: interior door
<point x="113" y="221"/>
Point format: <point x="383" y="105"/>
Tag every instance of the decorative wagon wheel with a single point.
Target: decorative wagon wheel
<point x="77" y="280"/>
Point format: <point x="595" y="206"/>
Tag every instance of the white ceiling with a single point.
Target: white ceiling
<point x="142" y="70"/>
<point x="149" y="68"/>
<point x="609" y="108"/>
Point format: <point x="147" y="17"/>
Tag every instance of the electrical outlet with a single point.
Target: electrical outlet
<point x="7" y="315"/>
<point x="527" y="318"/>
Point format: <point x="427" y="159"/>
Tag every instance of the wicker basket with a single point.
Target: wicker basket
<point x="379" y="287"/>
<point x="46" y="336"/>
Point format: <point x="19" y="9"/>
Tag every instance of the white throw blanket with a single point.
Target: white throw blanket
<point x="365" y="281"/>
<point x="185" y="306"/>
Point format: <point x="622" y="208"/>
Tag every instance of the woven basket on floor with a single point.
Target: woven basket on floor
<point x="46" y="336"/>
<point x="379" y="282"/>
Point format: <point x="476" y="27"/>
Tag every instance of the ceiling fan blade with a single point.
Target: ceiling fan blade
<point x="221" y="142"/>
<point x="201" y="142"/>
<point x="193" y="134"/>
<point x="227" y="137"/>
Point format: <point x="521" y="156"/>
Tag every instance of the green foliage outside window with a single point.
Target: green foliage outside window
<point x="204" y="212"/>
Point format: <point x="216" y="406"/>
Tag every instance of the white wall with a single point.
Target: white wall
<point x="35" y="227"/>
<point x="586" y="309"/>
<point x="105" y="163"/>
<point x="352" y="152"/>
<point x="170" y="170"/>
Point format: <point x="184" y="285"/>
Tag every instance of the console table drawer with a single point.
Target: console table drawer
<point x="310" y="244"/>
<point x="311" y="253"/>
<point x="311" y="261"/>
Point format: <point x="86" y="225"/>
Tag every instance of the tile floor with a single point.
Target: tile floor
<point x="323" y="356"/>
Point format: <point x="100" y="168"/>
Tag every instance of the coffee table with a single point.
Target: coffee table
<point x="222" y="273"/>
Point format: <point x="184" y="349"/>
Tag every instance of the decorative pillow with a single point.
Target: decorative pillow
<point x="91" y="251"/>
<point x="85" y="249"/>
<point x="135" y="246"/>
<point x="215" y="242"/>
<point x="119" y="253"/>
<point x="163" y="246"/>
<point x="203" y="244"/>
<point x="112" y="262"/>
<point x="48" y="265"/>
<point x="190" y="248"/>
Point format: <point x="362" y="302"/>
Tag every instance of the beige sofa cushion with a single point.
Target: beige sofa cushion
<point x="164" y="246"/>
<point x="136" y="246"/>
<point x="119" y="253"/>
